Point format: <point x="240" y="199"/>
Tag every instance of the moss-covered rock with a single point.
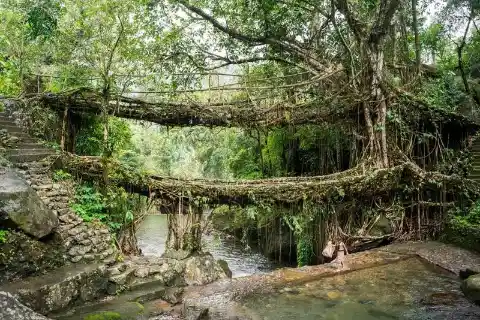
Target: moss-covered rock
<point x="22" y="256"/>
<point x="471" y="288"/>
<point x="127" y="311"/>
<point x="224" y="265"/>
<point x="202" y="269"/>
<point x="106" y="315"/>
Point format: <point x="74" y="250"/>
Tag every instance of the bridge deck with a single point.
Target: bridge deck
<point x="238" y="113"/>
<point x="348" y="184"/>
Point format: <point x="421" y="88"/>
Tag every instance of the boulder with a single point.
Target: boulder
<point x="21" y="257"/>
<point x="202" y="268"/>
<point x="12" y="309"/>
<point x="172" y="272"/>
<point x="471" y="288"/>
<point x="20" y="204"/>
<point x="61" y="288"/>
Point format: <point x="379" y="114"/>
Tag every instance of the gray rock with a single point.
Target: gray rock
<point x="142" y="272"/>
<point x="172" y="273"/>
<point x="123" y="277"/>
<point x="471" y="288"/>
<point x="20" y="204"/>
<point x="12" y="309"/>
<point x="202" y="269"/>
<point x="117" y="269"/>
<point x="176" y="254"/>
<point x="79" y="250"/>
<point x="62" y="288"/>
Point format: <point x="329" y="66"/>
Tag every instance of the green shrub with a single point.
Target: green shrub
<point x="61" y="175"/>
<point x="3" y="236"/>
<point x="463" y="228"/>
<point x="462" y="234"/>
<point x="114" y="208"/>
<point x="89" y="204"/>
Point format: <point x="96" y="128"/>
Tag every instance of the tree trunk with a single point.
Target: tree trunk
<point x="106" y="151"/>
<point x="127" y="240"/>
<point x="376" y="126"/>
<point x="185" y="229"/>
<point x="64" y="129"/>
<point x="417" y="38"/>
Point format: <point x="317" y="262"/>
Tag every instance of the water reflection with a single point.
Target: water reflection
<point x="152" y="236"/>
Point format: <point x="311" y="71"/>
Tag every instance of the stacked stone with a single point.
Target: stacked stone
<point x="83" y="241"/>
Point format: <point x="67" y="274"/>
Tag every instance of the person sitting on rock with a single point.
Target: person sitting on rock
<point x="340" y="251"/>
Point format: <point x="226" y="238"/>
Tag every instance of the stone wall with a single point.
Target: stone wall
<point x="83" y="242"/>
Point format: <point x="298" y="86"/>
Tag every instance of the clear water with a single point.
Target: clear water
<point x="152" y="236"/>
<point x="409" y="289"/>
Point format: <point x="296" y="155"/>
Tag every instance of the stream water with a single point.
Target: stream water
<point x="152" y="236"/>
<point x="410" y="289"/>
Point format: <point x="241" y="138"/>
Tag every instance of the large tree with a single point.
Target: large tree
<point x="314" y="37"/>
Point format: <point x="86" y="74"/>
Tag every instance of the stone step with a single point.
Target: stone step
<point x="128" y="305"/>
<point x="12" y="128"/>
<point x="7" y="122"/>
<point x="61" y="287"/>
<point x="145" y="284"/>
<point x="30" y="145"/>
<point x="23" y="158"/>
<point x="25" y="138"/>
<point x="19" y="134"/>
<point x="20" y="151"/>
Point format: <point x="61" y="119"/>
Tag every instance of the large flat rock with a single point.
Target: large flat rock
<point x="61" y="288"/>
<point x="20" y="204"/>
<point x="12" y="309"/>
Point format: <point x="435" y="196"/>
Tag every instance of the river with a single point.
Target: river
<point x="152" y="236"/>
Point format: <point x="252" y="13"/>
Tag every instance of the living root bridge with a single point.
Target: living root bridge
<point x="245" y="113"/>
<point x="348" y="185"/>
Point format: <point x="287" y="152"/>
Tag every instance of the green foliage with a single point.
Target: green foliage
<point x="42" y="18"/>
<point x="61" y="175"/>
<point x="462" y="233"/>
<point x="443" y="93"/>
<point x="90" y="137"/>
<point x="470" y="217"/>
<point x="89" y="204"/>
<point x="3" y="236"/>
<point x="114" y="207"/>
<point x="305" y="251"/>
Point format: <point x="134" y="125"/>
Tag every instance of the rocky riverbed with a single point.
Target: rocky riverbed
<point x="424" y="277"/>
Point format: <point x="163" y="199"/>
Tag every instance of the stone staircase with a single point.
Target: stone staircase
<point x="83" y="242"/>
<point x="475" y="171"/>
<point x="26" y="149"/>
<point x="149" y="285"/>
